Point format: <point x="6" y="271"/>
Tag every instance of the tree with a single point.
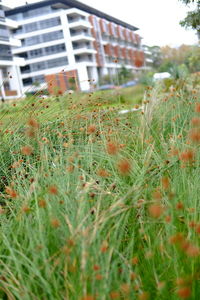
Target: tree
<point x="183" y="55"/>
<point x="124" y="74"/>
<point x="192" y="19"/>
<point x="175" y="55"/>
<point x="193" y="60"/>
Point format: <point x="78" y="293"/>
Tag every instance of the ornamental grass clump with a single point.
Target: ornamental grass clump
<point x="100" y="205"/>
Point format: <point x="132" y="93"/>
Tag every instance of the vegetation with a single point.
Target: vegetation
<point x="192" y="19"/>
<point x="97" y="204"/>
<point x="122" y="76"/>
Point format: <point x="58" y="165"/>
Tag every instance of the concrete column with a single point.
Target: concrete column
<point x="67" y="37"/>
<point x="104" y="71"/>
<point x="1" y="85"/>
<point x="94" y="75"/>
<point x="83" y="78"/>
<point x="15" y="80"/>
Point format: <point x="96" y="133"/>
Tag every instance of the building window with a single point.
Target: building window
<point x="37" y="12"/>
<point x="51" y="36"/>
<point x="31" y="27"/>
<point x="39" y="79"/>
<point x="38" y="66"/>
<point x="55" y="49"/>
<point x="27" y="81"/>
<point x="47" y="37"/>
<point x="4" y="33"/>
<point x="49" y="23"/>
<point x="51" y="63"/>
<point x="35" y="53"/>
<point x="57" y="62"/>
<point x="5" y="52"/>
<point x="34" y="40"/>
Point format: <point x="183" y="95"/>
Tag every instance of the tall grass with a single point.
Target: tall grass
<point x="97" y="205"/>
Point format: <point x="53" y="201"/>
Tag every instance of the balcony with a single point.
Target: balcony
<point x="81" y="49"/>
<point x="81" y="35"/>
<point x="11" y="42"/>
<point x="6" y="57"/>
<point x="84" y="59"/>
<point x="79" y="23"/>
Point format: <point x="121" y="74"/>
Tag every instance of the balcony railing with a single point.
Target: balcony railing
<point x="86" y="59"/>
<point x="82" y="33"/>
<point x="83" y="47"/>
<point x="4" y="57"/>
<point x="76" y="20"/>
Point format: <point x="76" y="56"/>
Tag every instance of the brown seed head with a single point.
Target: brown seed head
<point x="187" y="155"/>
<point x="156" y="210"/>
<point x="124" y="166"/>
<point x="33" y="123"/>
<point x="184" y="292"/>
<point x="195" y="121"/>
<point x="165" y="182"/>
<point x="112" y="148"/>
<point x="55" y="223"/>
<point x="27" y="150"/>
<point x="53" y="190"/>
<point x="91" y="129"/>
<point x="197" y="108"/>
<point x="194" y="135"/>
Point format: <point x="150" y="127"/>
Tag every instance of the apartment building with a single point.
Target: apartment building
<point x="66" y="42"/>
<point x="10" y="82"/>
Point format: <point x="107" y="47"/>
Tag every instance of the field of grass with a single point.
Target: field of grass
<point x="96" y="205"/>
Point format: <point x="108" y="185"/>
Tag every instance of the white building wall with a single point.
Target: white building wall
<point x="83" y="77"/>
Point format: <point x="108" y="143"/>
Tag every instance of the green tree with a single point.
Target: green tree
<point x="192" y="19"/>
<point x="193" y="60"/>
<point x="124" y="74"/>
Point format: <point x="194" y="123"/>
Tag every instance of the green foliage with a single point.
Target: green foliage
<point x="122" y="76"/>
<point x="147" y="79"/>
<point x="192" y="20"/>
<point x="178" y="72"/>
<point x="73" y="232"/>
<point x="193" y="60"/>
<point x="165" y="66"/>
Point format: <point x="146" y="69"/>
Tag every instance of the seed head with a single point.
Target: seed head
<point x="112" y="148"/>
<point x="103" y="173"/>
<point x="187" y="155"/>
<point x="55" y="223"/>
<point x="156" y="210"/>
<point x="27" y="150"/>
<point x="53" y="190"/>
<point x="195" y="122"/>
<point x="184" y="292"/>
<point x="124" y="166"/>
<point x="197" y="108"/>
<point x="194" y="135"/>
<point x="143" y="296"/>
<point x="114" y="295"/>
<point x="33" y="123"/>
<point x="165" y="182"/>
<point x="42" y="203"/>
<point x="91" y="129"/>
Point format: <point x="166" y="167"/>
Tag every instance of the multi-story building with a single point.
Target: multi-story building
<point x="10" y="82"/>
<point x="63" y="39"/>
<point x="148" y="56"/>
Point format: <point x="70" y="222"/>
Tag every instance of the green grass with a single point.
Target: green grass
<point x="74" y="225"/>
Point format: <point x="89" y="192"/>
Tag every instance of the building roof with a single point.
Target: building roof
<point x="71" y="3"/>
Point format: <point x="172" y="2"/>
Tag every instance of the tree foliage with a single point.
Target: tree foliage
<point x="183" y="55"/>
<point x="192" y="20"/>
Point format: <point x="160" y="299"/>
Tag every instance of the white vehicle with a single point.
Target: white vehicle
<point x="160" y="76"/>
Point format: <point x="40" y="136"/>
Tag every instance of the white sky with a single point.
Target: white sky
<point x="158" y="20"/>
